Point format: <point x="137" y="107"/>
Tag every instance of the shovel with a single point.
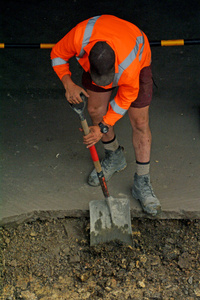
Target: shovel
<point x="110" y="218"/>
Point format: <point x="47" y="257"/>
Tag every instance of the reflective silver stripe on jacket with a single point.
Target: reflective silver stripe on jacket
<point x="87" y="35"/>
<point x="142" y="48"/>
<point x="125" y="64"/>
<point x="129" y="59"/>
<point x="117" y="108"/>
<point x="58" y="61"/>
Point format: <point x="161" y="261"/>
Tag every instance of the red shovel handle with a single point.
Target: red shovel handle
<point x="96" y="161"/>
<point x="93" y="153"/>
<point x="92" y="149"/>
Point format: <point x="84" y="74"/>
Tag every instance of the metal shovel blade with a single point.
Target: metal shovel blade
<point x="110" y="221"/>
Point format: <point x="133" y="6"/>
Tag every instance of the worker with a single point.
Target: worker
<point x="113" y="53"/>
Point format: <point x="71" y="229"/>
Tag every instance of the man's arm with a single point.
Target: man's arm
<point x="118" y="107"/>
<point x="73" y="91"/>
<point x="60" y="55"/>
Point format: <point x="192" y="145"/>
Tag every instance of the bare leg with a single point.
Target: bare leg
<point x="114" y="160"/>
<point x="97" y="108"/>
<point x="142" y="189"/>
<point x="139" y="118"/>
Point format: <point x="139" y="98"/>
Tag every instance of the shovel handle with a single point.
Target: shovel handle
<point x="96" y="161"/>
<point x="85" y="127"/>
<point x="92" y="149"/>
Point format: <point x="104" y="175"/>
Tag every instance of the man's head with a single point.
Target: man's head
<point x="102" y="64"/>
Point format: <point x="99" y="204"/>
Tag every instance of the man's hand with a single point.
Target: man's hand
<point x="93" y="137"/>
<point x="73" y="94"/>
<point x="73" y="91"/>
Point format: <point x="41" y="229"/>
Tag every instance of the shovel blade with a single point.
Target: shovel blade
<point x="110" y="221"/>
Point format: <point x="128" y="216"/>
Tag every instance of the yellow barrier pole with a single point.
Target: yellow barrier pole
<point x="180" y="42"/>
<point x="27" y="46"/>
<point x="172" y="43"/>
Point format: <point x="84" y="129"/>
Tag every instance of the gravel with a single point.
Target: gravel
<point x="52" y="259"/>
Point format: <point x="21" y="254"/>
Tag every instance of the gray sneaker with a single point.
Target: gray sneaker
<point x="143" y="191"/>
<point x="114" y="161"/>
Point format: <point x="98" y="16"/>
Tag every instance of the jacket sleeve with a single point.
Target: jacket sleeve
<point x="118" y="107"/>
<point x="62" y="52"/>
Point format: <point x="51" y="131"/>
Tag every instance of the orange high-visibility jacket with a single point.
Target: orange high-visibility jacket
<point x="132" y="52"/>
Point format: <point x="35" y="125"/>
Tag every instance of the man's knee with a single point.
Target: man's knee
<point x="141" y="123"/>
<point x="139" y="119"/>
<point x="97" y="104"/>
<point x="94" y="111"/>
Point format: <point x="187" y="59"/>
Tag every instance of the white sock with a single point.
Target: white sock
<point x="142" y="168"/>
<point x="112" y="145"/>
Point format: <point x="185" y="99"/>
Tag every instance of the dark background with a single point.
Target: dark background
<point x="44" y="164"/>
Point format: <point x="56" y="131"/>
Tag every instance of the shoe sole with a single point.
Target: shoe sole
<point x="117" y="171"/>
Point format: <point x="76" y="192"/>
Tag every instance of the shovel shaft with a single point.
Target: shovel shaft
<point x="98" y="168"/>
<point x="85" y="127"/>
<point x="95" y="157"/>
<point x="96" y="161"/>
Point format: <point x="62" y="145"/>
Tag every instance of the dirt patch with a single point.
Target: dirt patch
<point x="52" y="259"/>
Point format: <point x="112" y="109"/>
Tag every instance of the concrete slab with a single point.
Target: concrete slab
<point x="44" y="164"/>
